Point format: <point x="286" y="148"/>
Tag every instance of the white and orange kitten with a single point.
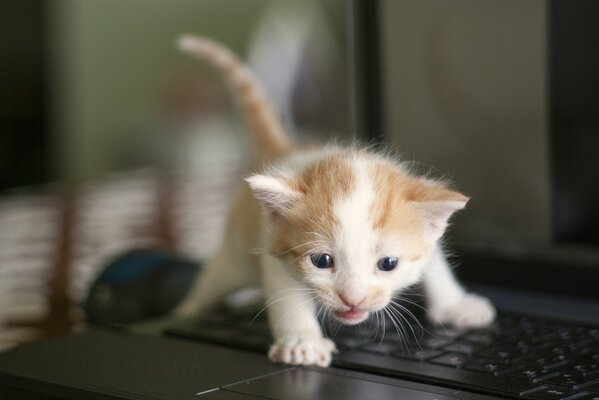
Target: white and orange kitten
<point x="338" y="229"/>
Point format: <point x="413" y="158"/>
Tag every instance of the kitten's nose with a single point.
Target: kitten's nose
<point x="351" y="301"/>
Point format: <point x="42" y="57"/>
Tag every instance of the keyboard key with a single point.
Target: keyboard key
<point x="567" y="379"/>
<point x="349" y="342"/>
<point x="529" y="374"/>
<point x="484" y="365"/>
<point x="587" y="368"/>
<point x="435" y="342"/>
<point x="479" y="338"/>
<point x="504" y="356"/>
<point x="557" y="393"/>
<point x="544" y="338"/>
<point x="462" y="347"/>
<point x="528" y="393"/>
<point x="443" y="332"/>
<point x="592" y="385"/>
<point x="557" y="364"/>
<point x="384" y="347"/>
<point x="515" y="356"/>
<point x="418" y="354"/>
<point x="543" y="378"/>
<point x="510" y="369"/>
<point x="226" y="335"/>
<point x="547" y="363"/>
<point x="451" y="359"/>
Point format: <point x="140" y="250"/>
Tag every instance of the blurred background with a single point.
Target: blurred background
<point x="111" y="139"/>
<point x="91" y="87"/>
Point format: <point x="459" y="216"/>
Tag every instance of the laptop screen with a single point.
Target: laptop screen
<point x="500" y="98"/>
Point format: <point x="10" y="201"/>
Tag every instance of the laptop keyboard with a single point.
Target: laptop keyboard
<point x="516" y="357"/>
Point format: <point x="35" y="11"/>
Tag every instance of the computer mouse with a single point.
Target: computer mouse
<point x="139" y="284"/>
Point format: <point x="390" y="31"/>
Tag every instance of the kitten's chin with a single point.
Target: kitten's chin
<point x="351" y="317"/>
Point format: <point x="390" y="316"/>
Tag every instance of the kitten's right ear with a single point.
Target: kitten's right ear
<point x="274" y="193"/>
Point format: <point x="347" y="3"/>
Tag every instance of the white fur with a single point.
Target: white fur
<point x="293" y="300"/>
<point x="297" y="334"/>
<point x="355" y="239"/>
<point x="438" y="213"/>
<point x="354" y="287"/>
<point x="221" y="276"/>
<point x="448" y="303"/>
<point x="273" y="192"/>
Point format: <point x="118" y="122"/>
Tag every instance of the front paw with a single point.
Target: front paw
<point x="471" y="311"/>
<point x="301" y="351"/>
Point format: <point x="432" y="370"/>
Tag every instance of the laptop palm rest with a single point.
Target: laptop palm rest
<point x="115" y="365"/>
<point x="335" y="384"/>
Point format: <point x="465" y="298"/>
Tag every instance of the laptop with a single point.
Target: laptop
<point x="511" y="114"/>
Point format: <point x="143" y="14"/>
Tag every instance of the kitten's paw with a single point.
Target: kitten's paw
<point x="300" y="351"/>
<point x="471" y="311"/>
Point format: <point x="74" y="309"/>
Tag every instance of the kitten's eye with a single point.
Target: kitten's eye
<point x="387" y="263"/>
<point x="322" y="260"/>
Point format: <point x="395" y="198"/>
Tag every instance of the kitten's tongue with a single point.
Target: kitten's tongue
<point x="351" y="314"/>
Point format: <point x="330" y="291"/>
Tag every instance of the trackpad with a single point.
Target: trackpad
<point x="301" y="383"/>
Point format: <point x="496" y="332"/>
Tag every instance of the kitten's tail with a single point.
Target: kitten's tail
<point x="268" y="135"/>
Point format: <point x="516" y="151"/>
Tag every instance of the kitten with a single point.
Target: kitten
<point x="341" y="231"/>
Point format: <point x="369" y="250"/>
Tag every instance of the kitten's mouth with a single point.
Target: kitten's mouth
<point x="351" y="316"/>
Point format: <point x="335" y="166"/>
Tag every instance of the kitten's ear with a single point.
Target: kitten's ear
<point x="438" y="209"/>
<point x="275" y="193"/>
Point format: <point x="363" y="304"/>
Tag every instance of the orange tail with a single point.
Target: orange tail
<point x="267" y="133"/>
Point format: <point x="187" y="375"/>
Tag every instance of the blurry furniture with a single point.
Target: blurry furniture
<point x="54" y="243"/>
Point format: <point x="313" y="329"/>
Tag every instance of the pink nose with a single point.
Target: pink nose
<point x="350" y="301"/>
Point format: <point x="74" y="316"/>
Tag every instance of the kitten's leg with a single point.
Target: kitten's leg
<point x="294" y="326"/>
<point x="448" y="301"/>
<point x="226" y="271"/>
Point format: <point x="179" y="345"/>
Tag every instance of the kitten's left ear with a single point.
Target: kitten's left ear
<point x="438" y="209"/>
<point x="274" y="192"/>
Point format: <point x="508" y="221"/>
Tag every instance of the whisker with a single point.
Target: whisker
<point x="336" y="325"/>
<point x="320" y="307"/>
<point x="329" y="320"/>
<point x="402" y="321"/>
<point x="400" y="315"/>
<point x="401" y="298"/>
<point x="379" y="319"/>
<point x="413" y="317"/>
<point x="272" y="300"/>
<point x="325" y="323"/>
<point x="424" y="330"/>
<point x="394" y="322"/>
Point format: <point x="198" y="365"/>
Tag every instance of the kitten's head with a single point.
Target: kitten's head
<point x="354" y="227"/>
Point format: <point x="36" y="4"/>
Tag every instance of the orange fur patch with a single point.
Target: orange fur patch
<point x="395" y="209"/>
<point x="268" y="135"/>
<point x="322" y="184"/>
<point x="392" y="213"/>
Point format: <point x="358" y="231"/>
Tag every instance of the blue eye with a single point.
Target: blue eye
<point x="387" y="263"/>
<point x="322" y="260"/>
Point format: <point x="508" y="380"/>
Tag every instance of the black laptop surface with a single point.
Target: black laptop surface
<point x="545" y="343"/>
